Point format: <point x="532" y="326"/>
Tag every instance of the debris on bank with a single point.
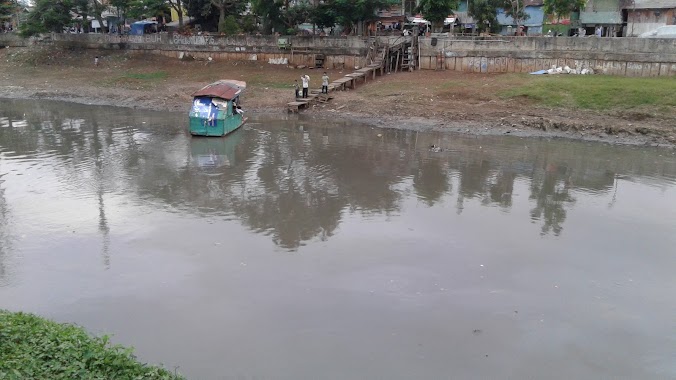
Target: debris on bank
<point x="564" y="70"/>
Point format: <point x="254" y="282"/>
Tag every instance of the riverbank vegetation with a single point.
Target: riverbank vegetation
<point x="598" y="92"/>
<point x="35" y="348"/>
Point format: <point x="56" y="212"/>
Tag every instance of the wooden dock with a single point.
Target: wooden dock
<point x="384" y="59"/>
<point x="348" y="81"/>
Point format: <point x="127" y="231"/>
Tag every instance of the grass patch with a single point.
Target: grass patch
<point x="156" y="75"/>
<point x="556" y="28"/>
<point x="598" y="92"/>
<point x="35" y="348"/>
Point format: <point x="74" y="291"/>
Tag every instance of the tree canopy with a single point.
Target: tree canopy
<point x="563" y="7"/>
<point x="484" y="13"/>
<point x="436" y="11"/>
<point x="516" y="10"/>
<point x="349" y="13"/>
<point x="47" y="16"/>
<point x="7" y="8"/>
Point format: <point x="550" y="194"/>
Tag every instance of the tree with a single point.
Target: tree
<point x="323" y="16"/>
<point x="122" y="7"/>
<point x="484" y="13"/>
<point x="270" y="12"/>
<point x="228" y="7"/>
<point x="97" y="8"/>
<point x="562" y="8"/>
<point x="148" y="8"/>
<point x="229" y="26"/>
<point x="7" y="8"/>
<point x="350" y="13"/>
<point x="436" y="11"/>
<point x="47" y="16"/>
<point x="83" y="9"/>
<point x="177" y="5"/>
<point x="516" y="10"/>
<point x="203" y="13"/>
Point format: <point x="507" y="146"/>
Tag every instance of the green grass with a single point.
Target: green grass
<point x="34" y="348"/>
<point x="556" y="28"/>
<point x="156" y="75"/>
<point x="598" y="92"/>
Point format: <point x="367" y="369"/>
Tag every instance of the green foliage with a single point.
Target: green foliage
<point x="601" y="92"/>
<point x="229" y="26"/>
<point x="7" y="8"/>
<point x="296" y="15"/>
<point x="484" y="12"/>
<point x="141" y="9"/>
<point x="436" y="11"/>
<point x="323" y="16"/>
<point x="249" y="24"/>
<point x="34" y="348"/>
<point x="556" y="29"/>
<point x="47" y="16"/>
<point x="562" y="8"/>
<point x="349" y="13"/>
<point x="516" y="10"/>
<point x="270" y="12"/>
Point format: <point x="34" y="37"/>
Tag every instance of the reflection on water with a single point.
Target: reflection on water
<point x="294" y="182"/>
<point x="73" y="177"/>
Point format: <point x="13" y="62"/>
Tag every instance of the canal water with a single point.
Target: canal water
<point x="301" y="249"/>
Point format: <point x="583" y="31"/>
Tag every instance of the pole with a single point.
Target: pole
<point x="517" y="16"/>
<point x="633" y="13"/>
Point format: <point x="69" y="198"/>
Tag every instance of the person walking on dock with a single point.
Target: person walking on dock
<point x="306" y="84"/>
<point x="325" y="83"/>
<point x="297" y="88"/>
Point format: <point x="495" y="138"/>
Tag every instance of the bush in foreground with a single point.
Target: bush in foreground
<point x="35" y="348"/>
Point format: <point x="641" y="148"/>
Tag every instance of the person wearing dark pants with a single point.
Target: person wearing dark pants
<point x="296" y="87"/>
<point x="306" y="84"/>
<point x="325" y="83"/>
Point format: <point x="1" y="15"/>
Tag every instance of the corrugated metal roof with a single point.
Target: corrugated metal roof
<point x="651" y="4"/>
<point x="614" y="17"/>
<point x="224" y="89"/>
<point x="602" y="6"/>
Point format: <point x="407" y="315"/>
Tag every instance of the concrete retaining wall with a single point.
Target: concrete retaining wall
<point x="339" y="52"/>
<point x="617" y="56"/>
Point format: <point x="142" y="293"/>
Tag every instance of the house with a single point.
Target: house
<point x="604" y="13"/>
<point x="642" y="16"/>
<point x="464" y="20"/>
<point x="532" y="24"/>
<point x="391" y="16"/>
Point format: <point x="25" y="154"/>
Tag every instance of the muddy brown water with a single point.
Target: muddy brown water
<point x="301" y="249"/>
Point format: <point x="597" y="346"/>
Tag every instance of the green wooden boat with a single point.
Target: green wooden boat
<point x="215" y="109"/>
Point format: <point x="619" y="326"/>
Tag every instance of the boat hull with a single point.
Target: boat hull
<point x="220" y="126"/>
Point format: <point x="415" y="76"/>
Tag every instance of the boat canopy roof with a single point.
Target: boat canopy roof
<point x="225" y="89"/>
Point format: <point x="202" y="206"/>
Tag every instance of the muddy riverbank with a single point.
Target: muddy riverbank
<point x="463" y="103"/>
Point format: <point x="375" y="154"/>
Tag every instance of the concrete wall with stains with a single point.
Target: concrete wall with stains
<point x="615" y="56"/>
<point x="338" y="52"/>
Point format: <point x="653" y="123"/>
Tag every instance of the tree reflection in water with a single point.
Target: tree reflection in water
<point x="295" y="182"/>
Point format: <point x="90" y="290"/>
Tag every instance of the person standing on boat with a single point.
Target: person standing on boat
<point x="306" y="84"/>
<point x="325" y="83"/>
<point x="297" y="88"/>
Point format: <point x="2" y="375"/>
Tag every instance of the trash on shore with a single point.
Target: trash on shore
<point x="563" y="70"/>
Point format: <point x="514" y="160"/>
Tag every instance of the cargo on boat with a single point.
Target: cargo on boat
<point x="216" y="109"/>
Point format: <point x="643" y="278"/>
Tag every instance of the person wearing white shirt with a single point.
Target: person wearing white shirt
<point x="306" y="84"/>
